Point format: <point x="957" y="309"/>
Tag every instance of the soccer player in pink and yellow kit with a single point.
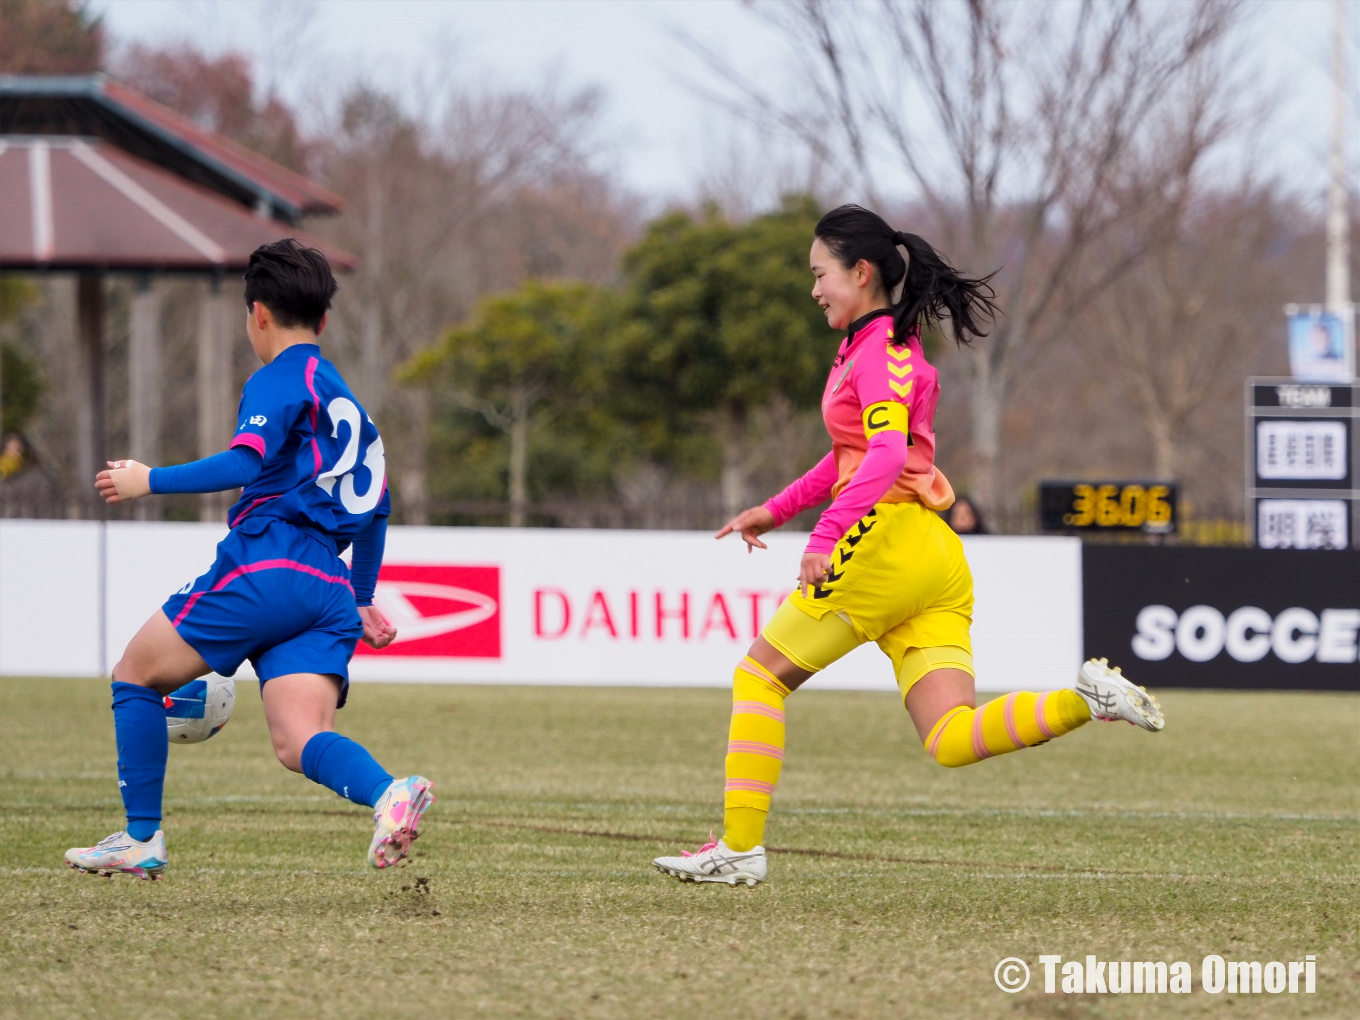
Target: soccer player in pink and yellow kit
<point x="881" y="565"/>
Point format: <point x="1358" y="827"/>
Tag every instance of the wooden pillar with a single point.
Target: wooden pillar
<point x="214" y="390"/>
<point x="144" y="384"/>
<point x="90" y="452"/>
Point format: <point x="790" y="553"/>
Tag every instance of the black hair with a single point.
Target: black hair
<point x="293" y="281"/>
<point x="933" y="289"/>
<point x="979" y="525"/>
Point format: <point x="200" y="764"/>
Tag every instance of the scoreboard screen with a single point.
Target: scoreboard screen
<point x="1149" y="507"/>
<point x="1303" y="465"/>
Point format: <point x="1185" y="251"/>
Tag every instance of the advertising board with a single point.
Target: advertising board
<point x="537" y="606"/>
<point x="496" y="605"/>
<point x="1227" y="618"/>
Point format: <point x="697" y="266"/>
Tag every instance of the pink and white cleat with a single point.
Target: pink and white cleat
<point x="714" y="862"/>
<point x="395" y="819"/>
<point x="120" y="853"/>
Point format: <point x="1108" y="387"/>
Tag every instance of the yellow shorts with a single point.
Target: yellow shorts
<point x="899" y="578"/>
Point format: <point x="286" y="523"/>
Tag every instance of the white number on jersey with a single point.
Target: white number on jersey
<point x="342" y="409"/>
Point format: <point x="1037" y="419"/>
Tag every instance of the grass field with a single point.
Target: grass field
<point x="899" y="887"/>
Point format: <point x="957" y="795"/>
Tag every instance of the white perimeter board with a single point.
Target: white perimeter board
<point x="571" y="606"/>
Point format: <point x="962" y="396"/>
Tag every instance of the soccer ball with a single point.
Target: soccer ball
<point x="199" y="709"/>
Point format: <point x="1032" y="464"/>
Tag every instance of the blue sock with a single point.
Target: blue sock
<point x="340" y="764"/>
<point x="143" y="743"/>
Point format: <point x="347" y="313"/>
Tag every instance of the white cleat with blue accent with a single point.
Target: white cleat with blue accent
<point x="120" y="853"/>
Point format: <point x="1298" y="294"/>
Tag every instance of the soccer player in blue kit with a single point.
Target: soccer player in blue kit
<point x="312" y="468"/>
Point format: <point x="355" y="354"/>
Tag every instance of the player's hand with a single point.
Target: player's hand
<point x="124" y="480"/>
<point x="752" y="524"/>
<point x="378" y="633"/>
<point x="813" y="570"/>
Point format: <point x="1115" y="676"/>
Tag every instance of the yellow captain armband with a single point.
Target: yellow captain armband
<point x="885" y="416"/>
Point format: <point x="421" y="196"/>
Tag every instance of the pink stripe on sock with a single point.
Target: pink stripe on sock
<point x="1008" y="714"/>
<point x="940" y="727"/>
<point x="757" y="708"/>
<point x="749" y="786"/>
<point x="755" y="747"/>
<point x="750" y="667"/>
<point x="979" y="745"/>
<point x="1039" y="715"/>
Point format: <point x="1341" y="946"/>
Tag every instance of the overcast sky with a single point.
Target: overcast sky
<point x="661" y="132"/>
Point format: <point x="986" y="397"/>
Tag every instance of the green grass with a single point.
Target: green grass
<point x="531" y="893"/>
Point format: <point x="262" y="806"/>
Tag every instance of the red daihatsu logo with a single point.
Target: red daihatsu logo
<point x="447" y="611"/>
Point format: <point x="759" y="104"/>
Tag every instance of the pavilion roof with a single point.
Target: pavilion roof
<point x="79" y="203"/>
<point x="97" y="106"/>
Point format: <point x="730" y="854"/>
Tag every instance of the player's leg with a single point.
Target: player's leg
<point x="932" y="653"/>
<point x="805" y="635"/>
<point x="158" y="658"/>
<point x="955" y="733"/>
<point x="941" y="704"/>
<point x="157" y="661"/>
<point x="792" y="648"/>
<point x="300" y="710"/>
<point x="935" y="674"/>
<point x="931" y="650"/>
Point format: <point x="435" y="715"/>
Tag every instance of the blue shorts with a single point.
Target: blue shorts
<point x="278" y="596"/>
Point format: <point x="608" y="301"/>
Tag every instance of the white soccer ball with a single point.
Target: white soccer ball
<point x="199" y="709"/>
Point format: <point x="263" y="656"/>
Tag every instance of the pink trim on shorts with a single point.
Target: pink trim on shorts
<point x="251" y="568"/>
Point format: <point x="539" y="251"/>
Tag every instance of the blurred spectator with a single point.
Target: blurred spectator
<point x="965" y="518"/>
<point x="14" y="455"/>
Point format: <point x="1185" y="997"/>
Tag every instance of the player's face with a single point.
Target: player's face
<point x="838" y="290"/>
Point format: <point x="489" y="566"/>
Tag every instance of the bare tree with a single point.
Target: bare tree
<point x="445" y="209"/>
<point x="1018" y="126"/>
<point x="1173" y="331"/>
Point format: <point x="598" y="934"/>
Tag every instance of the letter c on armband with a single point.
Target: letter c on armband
<point x="887" y="415"/>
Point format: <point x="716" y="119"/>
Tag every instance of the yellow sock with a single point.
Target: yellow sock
<point x="755" y="753"/>
<point x="967" y="735"/>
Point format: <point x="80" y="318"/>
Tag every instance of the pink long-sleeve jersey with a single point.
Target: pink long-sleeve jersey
<point x="879" y="407"/>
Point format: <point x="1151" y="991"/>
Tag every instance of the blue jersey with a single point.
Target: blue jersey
<point x="324" y="466"/>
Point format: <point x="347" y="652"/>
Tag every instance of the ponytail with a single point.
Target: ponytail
<point x="931" y="287"/>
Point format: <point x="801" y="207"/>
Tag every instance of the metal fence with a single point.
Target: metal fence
<point x="29" y="496"/>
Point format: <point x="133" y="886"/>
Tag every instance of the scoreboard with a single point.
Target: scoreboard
<point x="1149" y="507"/>
<point x="1303" y="464"/>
